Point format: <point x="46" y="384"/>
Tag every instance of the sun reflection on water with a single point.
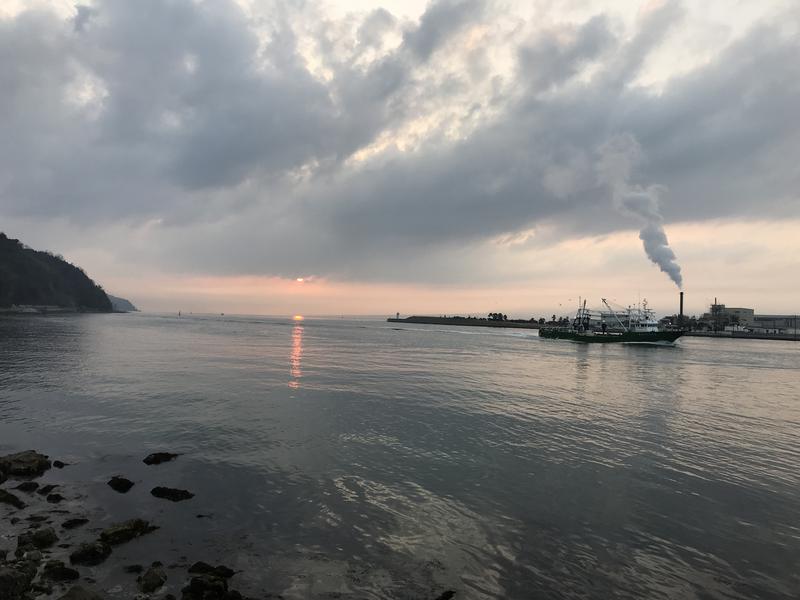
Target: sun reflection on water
<point x="295" y="370"/>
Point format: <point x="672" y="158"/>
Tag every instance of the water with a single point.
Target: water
<point x="367" y="460"/>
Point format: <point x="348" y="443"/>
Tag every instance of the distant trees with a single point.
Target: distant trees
<point x="498" y="317"/>
<point x="41" y="278"/>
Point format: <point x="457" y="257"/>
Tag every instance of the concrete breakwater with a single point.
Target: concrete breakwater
<point x="466" y="321"/>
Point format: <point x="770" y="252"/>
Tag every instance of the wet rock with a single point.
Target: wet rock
<point x="173" y="494"/>
<point x="41" y="587"/>
<point x="59" y="465"/>
<point x="46" y="489"/>
<point x="39" y="538"/>
<point x="16" y="579"/>
<point x="32" y="555"/>
<point x="134" y="569"/>
<point x="447" y="595"/>
<point x="38" y="518"/>
<point x="7" y="497"/>
<point x="73" y="523"/>
<point x="152" y="579"/>
<point x="24" y="464"/>
<point x="126" y="531"/>
<point x="205" y="587"/>
<point x="159" y="457"/>
<point x="55" y="570"/>
<point x="27" y="486"/>
<point x="202" y="568"/>
<point x="54" y="498"/>
<point x="78" y="592"/>
<point x="3" y="554"/>
<point x="120" y="484"/>
<point x="170" y="597"/>
<point x="90" y="553"/>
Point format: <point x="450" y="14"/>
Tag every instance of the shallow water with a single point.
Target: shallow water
<point x="374" y="461"/>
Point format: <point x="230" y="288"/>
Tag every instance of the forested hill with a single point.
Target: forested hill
<point x="31" y="277"/>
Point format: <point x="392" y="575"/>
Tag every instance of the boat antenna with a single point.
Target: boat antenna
<point x="613" y="312"/>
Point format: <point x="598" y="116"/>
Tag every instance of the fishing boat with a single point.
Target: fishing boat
<point x="631" y="325"/>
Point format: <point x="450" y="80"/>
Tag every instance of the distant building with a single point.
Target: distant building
<point x="775" y="324"/>
<point x="726" y="318"/>
<point x="722" y="316"/>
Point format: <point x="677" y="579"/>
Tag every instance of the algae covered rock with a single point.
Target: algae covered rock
<point x="25" y="464"/>
<point x="7" y="497"/>
<point x="78" y="592"/>
<point x="126" y="531"/>
<point x="55" y="570"/>
<point x="152" y="579"/>
<point x="38" y="538"/>
<point x="90" y="553"/>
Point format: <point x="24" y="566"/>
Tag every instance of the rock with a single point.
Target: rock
<point x="90" y="553"/>
<point x="59" y="465"/>
<point x="55" y="498"/>
<point x="134" y="569"/>
<point x="173" y="494"/>
<point x="46" y="489"/>
<point x="40" y="538"/>
<point x="446" y="595"/>
<point x="159" y="457"/>
<point x="55" y="570"/>
<point x="152" y="579"/>
<point x="202" y="568"/>
<point x="7" y="497"/>
<point x="205" y="587"/>
<point x="27" y="486"/>
<point x="25" y="464"/>
<point x="170" y="597"/>
<point x="73" y="523"/>
<point x="38" y="518"/>
<point x="78" y="592"/>
<point x="16" y="579"/>
<point x="32" y="555"/>
<point x="3" y="554"/>
<point x="120" y="484"/>
<point x="126" y="531"/>
<point x="13" y="583"/>
<point x="42" y="587"/>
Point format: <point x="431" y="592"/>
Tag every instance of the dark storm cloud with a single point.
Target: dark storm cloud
<point x="183" y="112"/>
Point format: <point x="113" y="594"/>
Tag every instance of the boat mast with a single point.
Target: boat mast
<point x="615" y="315"/>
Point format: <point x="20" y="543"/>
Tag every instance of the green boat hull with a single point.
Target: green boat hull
<point x="627" y="337"/>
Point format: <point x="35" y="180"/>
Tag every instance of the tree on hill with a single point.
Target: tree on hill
<point x="33" y="277"/>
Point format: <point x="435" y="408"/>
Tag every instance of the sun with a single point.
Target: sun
<point x="298" y="317"/>
<point x="300" y="279"/>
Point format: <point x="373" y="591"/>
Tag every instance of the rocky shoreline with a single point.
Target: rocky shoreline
<point x="55" y="546"/>
<point x="54" y="555"/>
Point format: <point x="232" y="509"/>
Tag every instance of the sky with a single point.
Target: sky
<point x="443" y="157"/>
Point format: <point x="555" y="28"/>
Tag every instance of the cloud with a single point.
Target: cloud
<point x="372" y="147"/>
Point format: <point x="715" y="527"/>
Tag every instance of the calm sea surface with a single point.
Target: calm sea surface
<point x="372" y="461"/>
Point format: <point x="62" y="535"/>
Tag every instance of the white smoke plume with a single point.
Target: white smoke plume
<point x="617" y="158"/>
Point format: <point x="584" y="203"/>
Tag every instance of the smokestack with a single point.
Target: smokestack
<point x="680" y="315"/>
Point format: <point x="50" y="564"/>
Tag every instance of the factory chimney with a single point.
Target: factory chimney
<point x="680" y="314"/>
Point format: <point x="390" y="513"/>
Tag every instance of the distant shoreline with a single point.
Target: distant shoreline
<point x="470" y="322"/>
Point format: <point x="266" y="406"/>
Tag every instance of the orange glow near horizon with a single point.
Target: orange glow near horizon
<point x="744" y="264"/>
<point x="298" y="317"/>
